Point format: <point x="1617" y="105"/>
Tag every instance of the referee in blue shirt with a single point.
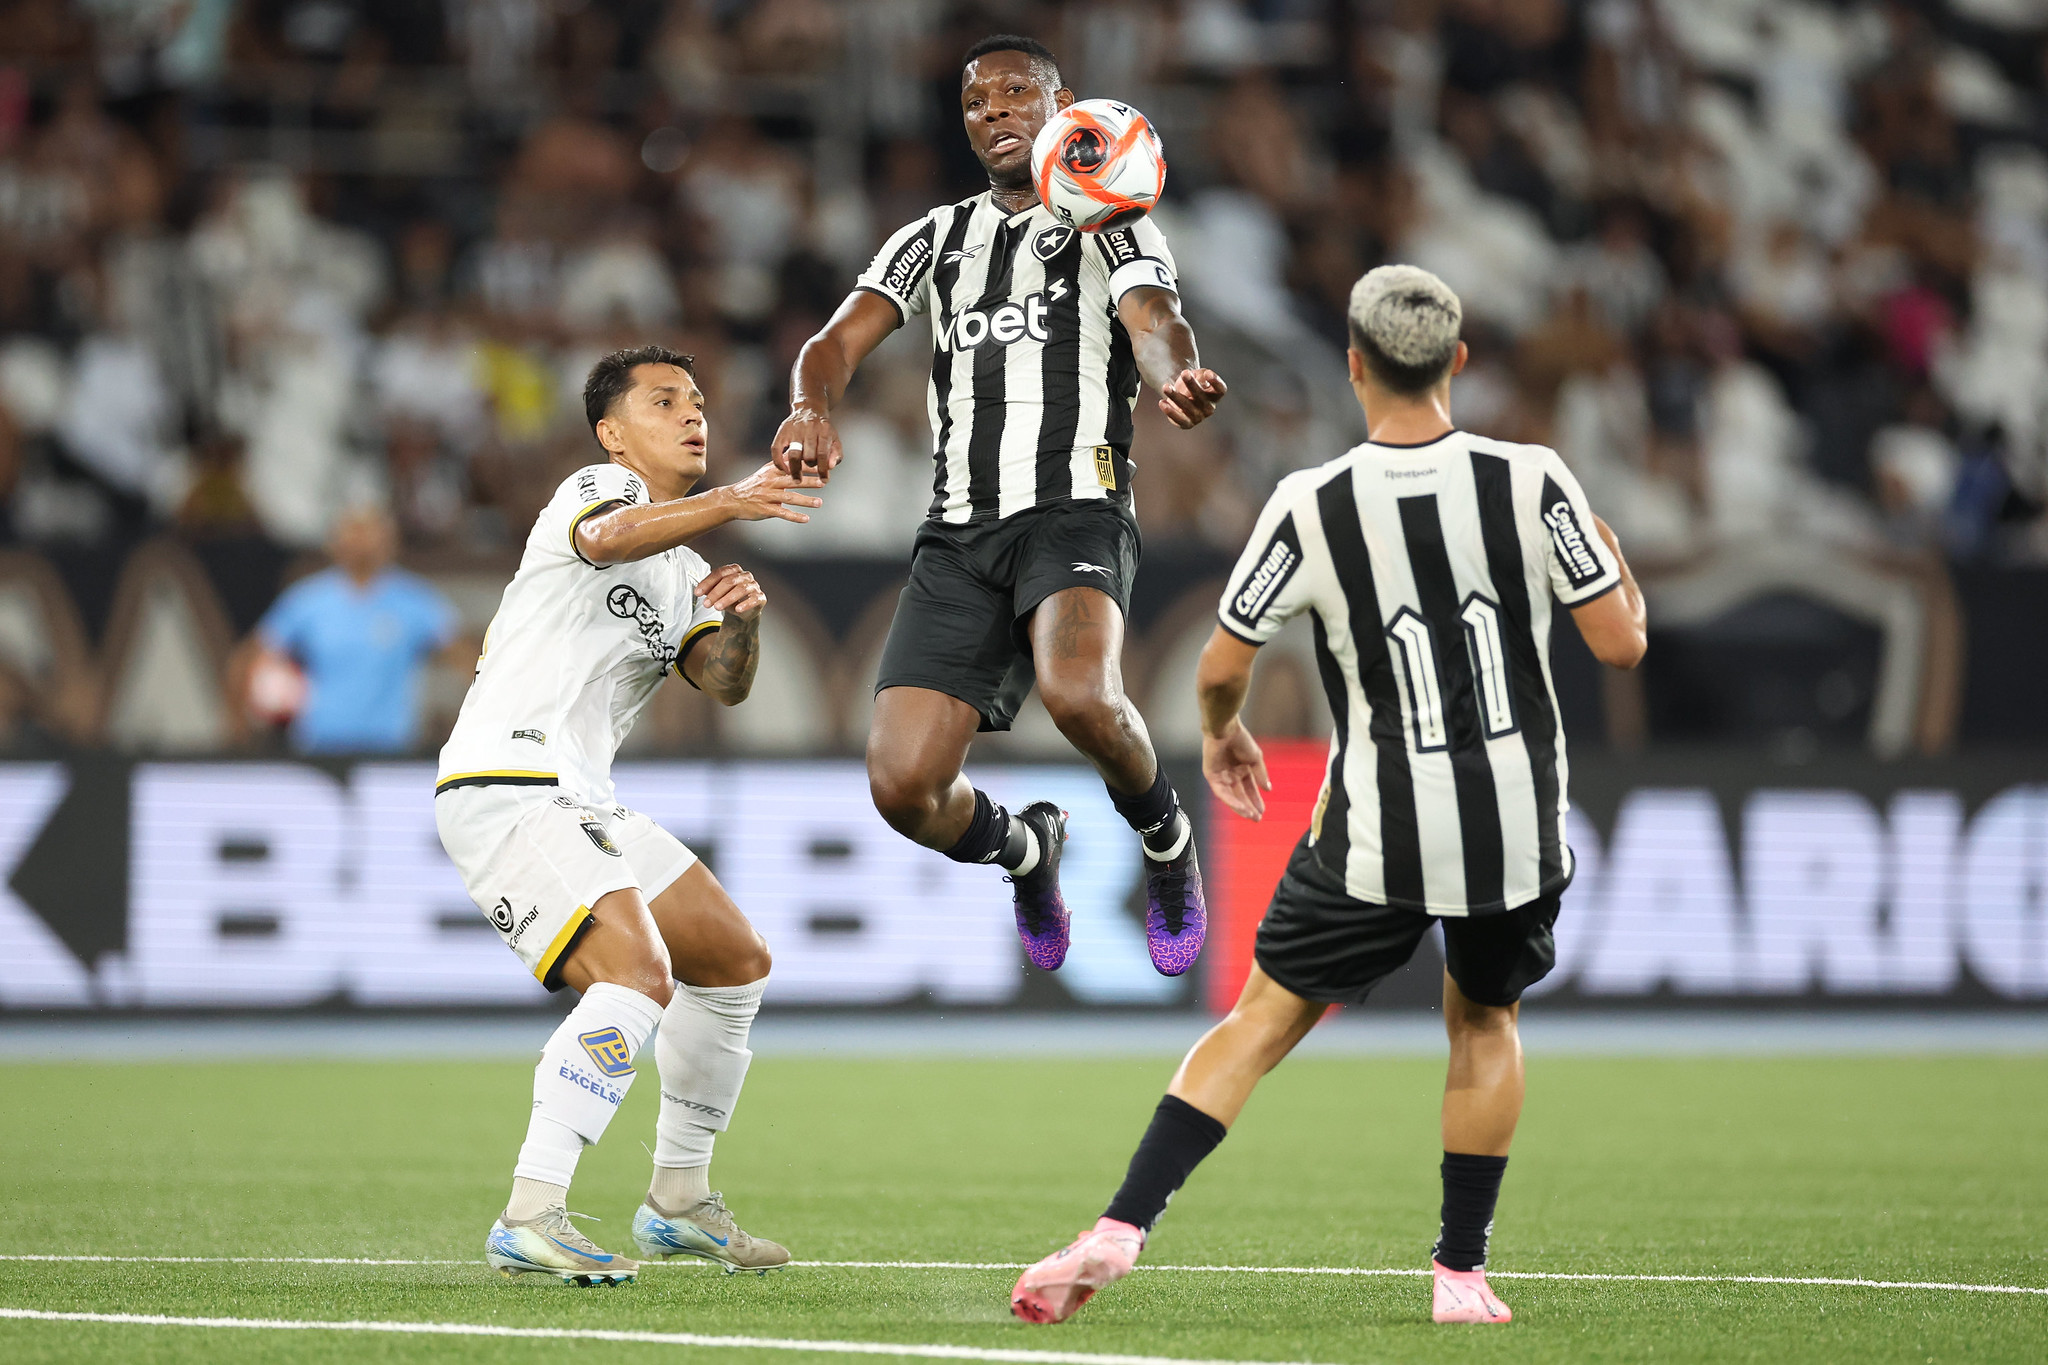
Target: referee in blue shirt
<point x="363" y="632"/>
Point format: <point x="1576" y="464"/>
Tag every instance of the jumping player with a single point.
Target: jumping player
<point x="1023" y="569"/>
<point x="1427" y="559"/>
<point x="609" y="601"/>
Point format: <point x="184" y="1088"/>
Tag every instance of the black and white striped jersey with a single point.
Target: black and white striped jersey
<point x="1429" y="572"/>
<point x="1033" y="379"/>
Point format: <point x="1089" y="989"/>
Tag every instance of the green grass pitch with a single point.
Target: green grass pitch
<point x="1929" y="1169"/>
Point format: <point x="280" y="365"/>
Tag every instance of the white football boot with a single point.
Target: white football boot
<point x="706" y="1229"/>
<point x="551" y="1245"/>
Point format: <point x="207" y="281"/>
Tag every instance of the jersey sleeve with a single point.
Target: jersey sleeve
<point x="1581" y="565"/>
<point x="286" y="625"/>
<point x="1134" y="256"/>
<point x="584" y="494"/>
<point x="1267" y="588"/>
<point x="703" y="620"/>
<point x="902" y="270"/>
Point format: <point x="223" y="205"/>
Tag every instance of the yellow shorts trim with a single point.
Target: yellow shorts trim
<point x="503" y="777"/>
<point x="546" y="966"/>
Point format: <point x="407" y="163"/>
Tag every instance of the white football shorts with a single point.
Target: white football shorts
<point x="535" y="861"/>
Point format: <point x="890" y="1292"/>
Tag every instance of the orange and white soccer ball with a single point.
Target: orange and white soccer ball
<point x="1098" y="165"/>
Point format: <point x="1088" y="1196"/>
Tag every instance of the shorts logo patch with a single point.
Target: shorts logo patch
<point x="537" y="736"/>
<point x="607" y="1047"/>
<point x="1105" y="467"/>
<point x="1570" y="543"/>
<point x="601" y="839"/>
<point x="1276" y="566"/>
<point x="501" y="915"/>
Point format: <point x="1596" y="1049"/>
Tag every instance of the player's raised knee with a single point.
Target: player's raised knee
<point x="906" y="799"/>
<point x="1086" y="712"/>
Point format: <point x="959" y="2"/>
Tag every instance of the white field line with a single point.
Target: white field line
<point x="1343" y="1270"/>
<point x="478" y="1329"/>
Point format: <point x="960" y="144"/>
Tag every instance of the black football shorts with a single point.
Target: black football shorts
<point x="962" y="625"/>
<point x="1328" y="946"/>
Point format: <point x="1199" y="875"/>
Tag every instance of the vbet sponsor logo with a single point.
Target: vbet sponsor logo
<point x="1003" y="325"/>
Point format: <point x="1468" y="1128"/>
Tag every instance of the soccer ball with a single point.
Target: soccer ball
<point x="1098" y="165"/>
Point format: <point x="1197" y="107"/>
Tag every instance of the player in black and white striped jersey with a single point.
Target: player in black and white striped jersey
<point x="1023" y="571"/>
<point x="1427" y="560"/>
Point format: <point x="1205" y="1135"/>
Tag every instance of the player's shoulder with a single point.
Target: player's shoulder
<point x="1514" y="452"/>
<point x="1301" y="487"/>
<point x="607" y="482"/>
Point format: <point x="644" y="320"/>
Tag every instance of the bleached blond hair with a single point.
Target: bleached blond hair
<point x="1404" y="321"/>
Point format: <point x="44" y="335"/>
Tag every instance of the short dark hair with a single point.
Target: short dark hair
<point x="1039" y="53"/>
<point x="1409" y="381"/>
<point x="612" y="376"/>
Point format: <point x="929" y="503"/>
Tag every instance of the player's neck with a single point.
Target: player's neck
<point x="1012" y="199"/>
<point x="1395" y="421"/>
<point x="661" y="487"/>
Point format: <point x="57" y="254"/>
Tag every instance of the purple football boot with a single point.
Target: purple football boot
<point x="1176" y="917"/>
<point x="1042" y="919"/>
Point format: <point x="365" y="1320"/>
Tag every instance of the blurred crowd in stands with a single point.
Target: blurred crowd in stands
<point x="1768" y="273"/>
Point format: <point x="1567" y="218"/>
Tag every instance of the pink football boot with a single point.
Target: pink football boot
<point x="1055" y="1288"/>
<point x="1463" y="1296"/>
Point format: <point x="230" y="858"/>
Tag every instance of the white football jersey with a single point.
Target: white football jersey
<point x="575" y="652"/>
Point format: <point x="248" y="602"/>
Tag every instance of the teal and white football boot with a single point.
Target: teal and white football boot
<point x="551" y="1245"/>
<point x="706" y="1229"/>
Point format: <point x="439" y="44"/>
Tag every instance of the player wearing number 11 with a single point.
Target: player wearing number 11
<point x="1427" y="560"/>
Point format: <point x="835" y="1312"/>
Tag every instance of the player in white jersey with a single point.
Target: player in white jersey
<point x="609" y="601"/>
<point x="1023" y="570"/>
<point x="1428" y="560"/>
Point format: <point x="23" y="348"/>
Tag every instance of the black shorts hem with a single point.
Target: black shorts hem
<point x="991" y="723"/>
<point x="1326" y="945"/>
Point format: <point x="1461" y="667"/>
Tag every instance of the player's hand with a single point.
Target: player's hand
<point x="770" y="492"/>
<point x="806" y="442"/>
<point x="732" y="590"/>
<point x="1236" y="769"/>
<point x="1191" y="396"/>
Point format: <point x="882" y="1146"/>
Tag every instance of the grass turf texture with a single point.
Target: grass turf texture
<point x="1933" y="1169"/>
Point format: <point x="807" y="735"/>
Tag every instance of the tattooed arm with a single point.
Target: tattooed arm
<point x="723" y="666"/>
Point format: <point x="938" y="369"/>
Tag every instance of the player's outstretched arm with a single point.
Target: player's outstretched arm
<point x="818" y="381"/>
<point x="1231" y="758"/>
<point x="628" y="533"/>
<point x="723" y="666"/>
<point x="1164" y="347"/>
<point x="1615" y="625"/>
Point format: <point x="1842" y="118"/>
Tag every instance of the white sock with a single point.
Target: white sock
<point x="701" y="1053"/>
<point x="675" y="1188"/>
<point x="1032" y="852"/>
<point x="584" y="1073"/>
<point x="1184" y="830"/>
<point x="532" y="1198"/>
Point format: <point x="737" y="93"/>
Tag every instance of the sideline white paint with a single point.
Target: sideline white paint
<point x="1344" y="1270"/>
<point x="478" y="1329"/>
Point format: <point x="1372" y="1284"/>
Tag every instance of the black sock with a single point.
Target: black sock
<point x="993" y="836"/>
<point x="1151" y="812"/>
<point x="1179" y="1137"/>
<point x="1471" y="1185"/>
